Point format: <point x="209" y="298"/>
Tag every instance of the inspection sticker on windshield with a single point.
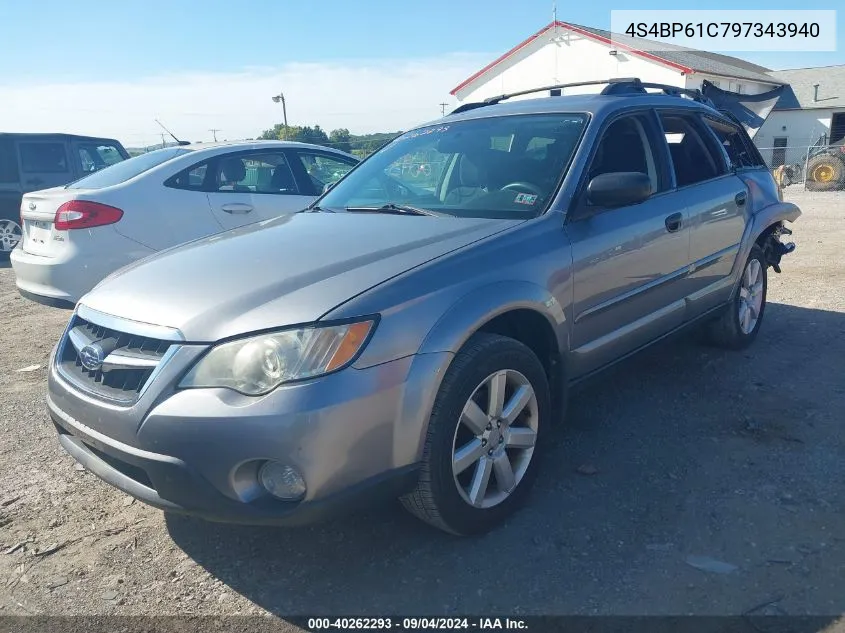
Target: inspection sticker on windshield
<point x="525" y="198"/>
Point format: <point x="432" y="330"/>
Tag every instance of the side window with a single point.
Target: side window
<point x="264" y="172"/>
<point x="323" y="169"/>
<point x="624" y="146"/>
<point x="693" y="159"/>
<point x="192" y="179"/>
<point x="738" y="147"/>
<point x="8" y="161"/>
<point x="43" y="158"/>
<point x="96" y="156"/>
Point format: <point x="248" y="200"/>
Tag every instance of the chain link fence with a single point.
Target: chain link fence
<point x="819" y="167"/>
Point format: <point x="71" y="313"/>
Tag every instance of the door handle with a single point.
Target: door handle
<point x="740" y="198"/>
<point x="674" y="222"/>
<point x="237" y="208"/>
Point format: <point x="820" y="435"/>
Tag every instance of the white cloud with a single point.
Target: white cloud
<point x="362" y="95"/>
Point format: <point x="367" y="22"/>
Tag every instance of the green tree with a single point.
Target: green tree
<point x="340" y="139"/>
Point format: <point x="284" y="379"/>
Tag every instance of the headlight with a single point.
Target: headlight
<point x="258" y="364"/>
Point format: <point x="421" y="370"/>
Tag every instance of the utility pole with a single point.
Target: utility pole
<point x="214" y="131"/>
<point x="280" y="98"/>
<point x="443" y="108"/>
<point x="163" y="144"/>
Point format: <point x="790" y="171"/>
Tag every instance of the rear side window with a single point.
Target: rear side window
<point x="94" y="156"/>
<point x="741" y="152"/>
<point x="693" y="159"/>
<point x="126" y="169"/>
<point x="8" y="161"/>
<point x="43" y="158"/>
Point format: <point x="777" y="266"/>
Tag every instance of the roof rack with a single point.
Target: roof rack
<point x="615" y="86"/>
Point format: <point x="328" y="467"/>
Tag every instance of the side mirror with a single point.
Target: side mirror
<point x="618" y="189"/>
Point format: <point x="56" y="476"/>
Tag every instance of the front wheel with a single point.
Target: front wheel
<point x="739" y="324"/>
<point x="480" y="455"/>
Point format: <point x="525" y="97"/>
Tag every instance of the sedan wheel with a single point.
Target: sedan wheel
<point x="484" y="437"/>
<point x="10" y="235"/>
<point x="495" y="439"/>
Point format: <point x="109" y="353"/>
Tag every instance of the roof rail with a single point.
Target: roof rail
<point x="615" y="86"/>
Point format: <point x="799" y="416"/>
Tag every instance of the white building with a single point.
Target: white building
<point x="810" y="111"/>
<point x="565" y="53"/>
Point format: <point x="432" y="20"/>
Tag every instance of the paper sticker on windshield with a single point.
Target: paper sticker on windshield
<point x="525" y="198"/>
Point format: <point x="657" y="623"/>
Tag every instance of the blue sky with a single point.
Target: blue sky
<point x="79" y="57"/>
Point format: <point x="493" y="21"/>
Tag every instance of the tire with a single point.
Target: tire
<point x="455" y="502"/>
<point x="825" y="173"/>
<point x="731" y="330"/>
<point x="10" y="235"/>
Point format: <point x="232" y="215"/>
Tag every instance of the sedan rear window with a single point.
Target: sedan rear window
<point x="124" y="170"/>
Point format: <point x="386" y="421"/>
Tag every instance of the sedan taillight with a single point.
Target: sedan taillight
<point x="83" y="214"/>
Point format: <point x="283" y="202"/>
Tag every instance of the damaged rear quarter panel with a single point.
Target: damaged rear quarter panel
<point x="765" y="209"/>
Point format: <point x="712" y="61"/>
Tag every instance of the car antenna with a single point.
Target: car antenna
<point x="171" y="133"/>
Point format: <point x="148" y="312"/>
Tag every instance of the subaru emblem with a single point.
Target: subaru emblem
<point x="32" y="206"/>
<point x="92" y="357"/>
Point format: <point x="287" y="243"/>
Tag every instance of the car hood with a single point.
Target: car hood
<point x="289" y="270"/>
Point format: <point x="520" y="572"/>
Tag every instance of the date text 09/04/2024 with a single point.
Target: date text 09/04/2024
<point x="415" y="623"/>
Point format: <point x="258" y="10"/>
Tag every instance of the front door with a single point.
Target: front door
<point x="628" y="262"/>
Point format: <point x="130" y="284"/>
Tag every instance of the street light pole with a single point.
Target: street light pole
<point x="281" y="98"/>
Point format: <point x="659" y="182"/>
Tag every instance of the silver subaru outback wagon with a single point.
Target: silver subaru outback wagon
<point x="413" y="333"/>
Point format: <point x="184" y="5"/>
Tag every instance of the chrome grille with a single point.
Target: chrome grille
<point x="108" y="363"/>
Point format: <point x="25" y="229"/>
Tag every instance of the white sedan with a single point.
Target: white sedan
<point x="75" y="235"/>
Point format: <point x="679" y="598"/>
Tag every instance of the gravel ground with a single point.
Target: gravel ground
<point x="687" y="481"/>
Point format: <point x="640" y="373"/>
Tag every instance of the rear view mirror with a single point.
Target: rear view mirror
<point x="618" y="189"/>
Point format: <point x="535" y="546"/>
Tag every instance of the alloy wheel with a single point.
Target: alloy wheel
<point x="10" y="235"/>
<point x="495" y="439"/>
<point x="750" y="296"/>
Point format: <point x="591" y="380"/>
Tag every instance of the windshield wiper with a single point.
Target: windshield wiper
<point x="390" y="207"/>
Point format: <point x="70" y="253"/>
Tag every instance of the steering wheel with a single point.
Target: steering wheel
<point x="523" y="187"/>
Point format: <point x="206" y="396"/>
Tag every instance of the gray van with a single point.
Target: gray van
<point x="30" y="162"/>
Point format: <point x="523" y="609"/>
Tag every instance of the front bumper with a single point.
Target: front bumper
<point x="355" y="436"/>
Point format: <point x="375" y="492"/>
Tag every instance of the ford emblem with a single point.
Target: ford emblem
<point x="92" y="357"/>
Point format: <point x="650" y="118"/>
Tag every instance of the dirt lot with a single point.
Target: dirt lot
<point x="688" y="481"/>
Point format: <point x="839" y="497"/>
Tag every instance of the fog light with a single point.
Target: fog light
<point x="282" y="481"/>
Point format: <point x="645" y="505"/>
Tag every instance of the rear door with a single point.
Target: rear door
<point x="716" y="202"/>
<point x="44" y="163"/>
<point x="247" y="187"/>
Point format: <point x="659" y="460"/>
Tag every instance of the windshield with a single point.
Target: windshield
<point x="500" y="167"/>
<point x="124" y="170"/>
